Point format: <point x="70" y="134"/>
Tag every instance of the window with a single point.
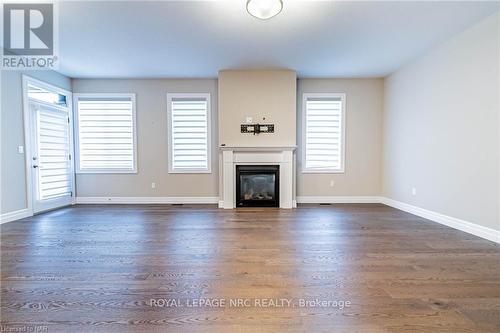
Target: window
<point x="106" y="133"/>
<point x="40" y="94"/>
<point x="188" y="133"/>
<point x="323" y="133"/>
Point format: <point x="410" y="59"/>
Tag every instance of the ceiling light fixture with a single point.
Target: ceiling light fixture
<point x="264" y="9"/>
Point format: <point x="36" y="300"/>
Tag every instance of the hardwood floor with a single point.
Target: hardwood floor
<point x="109" y="268"/>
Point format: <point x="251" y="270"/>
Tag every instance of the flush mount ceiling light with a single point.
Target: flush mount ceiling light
<point x="264" y="9"/>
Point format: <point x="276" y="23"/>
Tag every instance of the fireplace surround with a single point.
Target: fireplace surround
<point x="232" y="157"/>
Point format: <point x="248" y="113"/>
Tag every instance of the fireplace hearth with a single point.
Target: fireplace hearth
<point x="257" y="185"/>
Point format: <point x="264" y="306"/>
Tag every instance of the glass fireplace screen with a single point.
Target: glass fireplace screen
<point x="257" y="186"/>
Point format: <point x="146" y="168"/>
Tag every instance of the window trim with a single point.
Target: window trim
<point x="206" y="96"/>
<point x="305" y="97"/>
<point x="76" y="97"/>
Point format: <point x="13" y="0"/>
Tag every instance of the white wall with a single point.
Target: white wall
<point x="364" y="138"/>
<point x="268" y="96"/>
<point x="13" y="174"/>
<point x="441" y="128"/>
<point x="151" y="108"/>
<point x="363" y="166"/>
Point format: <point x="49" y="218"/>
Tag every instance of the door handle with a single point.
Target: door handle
<point x="35" y="166"/>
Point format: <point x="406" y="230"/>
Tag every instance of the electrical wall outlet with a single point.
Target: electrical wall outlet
<point x="20" y="149"/>
<point x="249" y="120"/>
<point x="413" y="191"/>
<point x="153" y="185"/>
<point x="332" y="183"/>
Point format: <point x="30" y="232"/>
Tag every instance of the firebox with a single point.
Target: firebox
<point x="257" y="185"/>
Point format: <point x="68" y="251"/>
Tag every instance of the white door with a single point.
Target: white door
<point x="51" y="160"/>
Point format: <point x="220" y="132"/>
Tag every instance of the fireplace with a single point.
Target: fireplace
<point x="281" y="161"/>
<point x="257" y="185"/>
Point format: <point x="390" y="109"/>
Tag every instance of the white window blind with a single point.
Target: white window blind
<point x="106" y="133"/>
<point x="189" y="121"/>
<point x="53" y="151"/>
<point x="323" y="136"/>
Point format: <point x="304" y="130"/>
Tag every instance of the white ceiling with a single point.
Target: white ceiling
<point x="199" y="38"/>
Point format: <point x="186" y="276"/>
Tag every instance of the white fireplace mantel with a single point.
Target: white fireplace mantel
<point x="233" y="156"/>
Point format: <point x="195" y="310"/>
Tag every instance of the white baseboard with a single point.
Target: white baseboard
<point x="471" y="228"/>
<point x="147" y="200"/>
<point x="339" y="199"/>
<point x="15" y="215"/>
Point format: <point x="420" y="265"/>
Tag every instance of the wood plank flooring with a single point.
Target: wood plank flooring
<point x="109" y="268"/>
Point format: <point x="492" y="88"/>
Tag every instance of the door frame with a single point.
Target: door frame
<point x="27" y="118"/>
